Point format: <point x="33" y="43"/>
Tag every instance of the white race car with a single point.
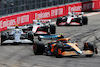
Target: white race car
<point x="17" y="36"/>
<point x="42" y="27"/>
<point x="73" y="18"/>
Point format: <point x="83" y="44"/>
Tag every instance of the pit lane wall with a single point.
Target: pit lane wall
<point x="47" y="13"/>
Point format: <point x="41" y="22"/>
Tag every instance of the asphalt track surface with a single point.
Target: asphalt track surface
<point x="23" y="56"/>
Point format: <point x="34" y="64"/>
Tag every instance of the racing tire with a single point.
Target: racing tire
<point x="84" y="20"/>
<point x="30" y="36"/>
<point x="38" y="48"/>
<point x="91" y="47"/>
<point x="88" y="46"/>
<point x="52" y="29"/>
<point x="89" y="55"/>
<point x="60" y="46"/>
<point x="56" y="54"/>
<point x="59" y="20"/>
<point x="4" y="36"/>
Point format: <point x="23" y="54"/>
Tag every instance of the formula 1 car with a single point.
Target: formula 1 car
<point x="42" y="27"/>
<point x="63" y="47"/>
<point x="74" y="18"/>
<point x="17" y="36"/>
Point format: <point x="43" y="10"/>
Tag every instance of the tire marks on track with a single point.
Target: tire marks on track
<point x="87" y="36"/>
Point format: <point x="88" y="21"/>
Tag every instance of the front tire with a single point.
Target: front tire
<point x="4" y="36"/>
<point x="59" y="20"/>
<point x="30" y="36"/>
<point x="85" y="20"/>
<point x="59" y="48"/>
<point x="92" y="47"/>
<point x="56" y="53"/>
<point x="89" y="55"/>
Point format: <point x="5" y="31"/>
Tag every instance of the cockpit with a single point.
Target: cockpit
<point x="17" y="31"/>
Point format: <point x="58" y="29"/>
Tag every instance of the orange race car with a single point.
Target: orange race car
<point x="63" y="47"/>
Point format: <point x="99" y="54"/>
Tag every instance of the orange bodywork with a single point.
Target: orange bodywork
<point x="59" y="51"/>
<point x="64" y="39"/>
<point x="74" y="46"/>
<point x="86" y="44"/>
<point x="88" y="52"/>
<point x="68" y="53"/>
<point x="52" y="41"/>
<point x="52" y="49"/>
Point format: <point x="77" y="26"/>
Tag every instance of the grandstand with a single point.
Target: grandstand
<point x="15" y="6"/>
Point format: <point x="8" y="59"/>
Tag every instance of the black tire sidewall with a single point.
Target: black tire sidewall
<point x="59" y="20"/>
<point x="30" y="36"/>
<point x="3" y="36"/>
<point x="85" y="20"/>
<point x="40" y="48"/>
<point x="52" y="29"/>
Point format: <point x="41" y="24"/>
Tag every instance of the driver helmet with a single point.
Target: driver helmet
<point x="38" y="19"/>
<point x="16" y="26"/>
<point x="38" y="23"/>
<point x="61" y="35"/>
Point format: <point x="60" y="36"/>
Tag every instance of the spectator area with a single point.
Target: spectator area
<point x="14" y="6"/>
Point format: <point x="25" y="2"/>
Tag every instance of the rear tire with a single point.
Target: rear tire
<point x="30" y="36"/>
<point x="84" y="20"/>
<point x="52" y="29"/>
<point x="4" y="36"/>
<point x="38" y="48"/>
<point x="59" y="20"/>
<point x="58" y="46"/>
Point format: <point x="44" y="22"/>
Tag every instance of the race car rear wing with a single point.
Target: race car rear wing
<point x="42" y="21"/>
<point x="76" y="13"/>
<point x="79" y="13"/>
<point x="19" y="27"/>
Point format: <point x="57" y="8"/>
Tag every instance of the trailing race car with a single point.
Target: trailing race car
<point x="74" y="18"/>
<point x="17" y="36"/>
<point x="63" y="47"/>
<point x="42" y="27"/>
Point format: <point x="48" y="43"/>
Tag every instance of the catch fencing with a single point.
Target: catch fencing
<point x="15" y="6"/>
<point x="47" y="13"/>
